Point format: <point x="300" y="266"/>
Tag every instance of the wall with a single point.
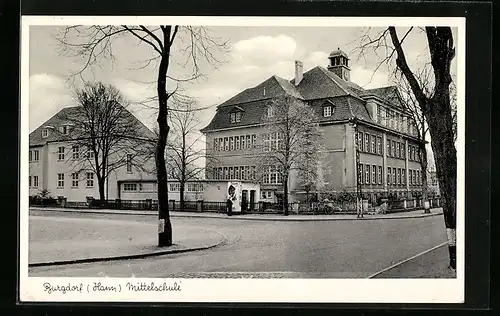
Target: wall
<point x="51" y="166"/>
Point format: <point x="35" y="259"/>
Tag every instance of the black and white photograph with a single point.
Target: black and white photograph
<point x="238" y="159"/>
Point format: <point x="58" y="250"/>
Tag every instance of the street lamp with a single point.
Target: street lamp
<point x="359" y="176"/>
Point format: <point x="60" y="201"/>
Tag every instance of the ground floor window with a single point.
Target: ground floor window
<point x="60" y="180"/>
<point x="90" y="179"/>
<point x="130" y="187"/>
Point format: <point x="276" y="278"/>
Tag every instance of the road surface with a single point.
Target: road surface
<point x="274" y="249"/>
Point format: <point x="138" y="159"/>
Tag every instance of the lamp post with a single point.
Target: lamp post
<point x="359" y="175"/>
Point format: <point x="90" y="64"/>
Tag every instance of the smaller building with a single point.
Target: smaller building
<point x="195" y="190"/>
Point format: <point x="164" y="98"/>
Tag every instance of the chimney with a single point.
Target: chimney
<point x="299" y="70"/>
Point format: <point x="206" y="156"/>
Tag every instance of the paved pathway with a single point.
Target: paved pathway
<point x="57" y="240"/>
<point x="272" y="217"/>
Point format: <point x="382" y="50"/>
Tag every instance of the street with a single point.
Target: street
<point x="275" y="249"/>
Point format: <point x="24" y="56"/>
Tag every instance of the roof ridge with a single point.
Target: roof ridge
<point x="325" y="71"/>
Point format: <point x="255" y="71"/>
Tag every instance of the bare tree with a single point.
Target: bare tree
<point x="290" y="142"/>
<point x="436" y="106"/>
<point x="94" y="43"/>
<point x="104" y="136"/>
<point x="185" y="147"/>
<point x="423" y="76"/>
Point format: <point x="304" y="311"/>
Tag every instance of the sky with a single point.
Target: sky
<point x="254" y="54"/>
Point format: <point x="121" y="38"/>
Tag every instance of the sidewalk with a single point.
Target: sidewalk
<point x="430" y="265"/>
<point x="94" y="243"/>
<point x="262" y="217"/>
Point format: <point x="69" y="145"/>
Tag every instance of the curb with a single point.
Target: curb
<point x="284" y="219"/>
<point x="127" y="257"/>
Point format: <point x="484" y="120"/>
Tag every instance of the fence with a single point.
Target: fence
<point x="336" y="207"/>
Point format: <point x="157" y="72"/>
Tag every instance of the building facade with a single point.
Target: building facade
<point x="58" y="164"/>
<point x="370" y="141"/>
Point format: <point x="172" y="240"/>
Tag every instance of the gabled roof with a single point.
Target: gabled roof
<point x="270" y="88"/>
<point x="389" y="94"/>
<point x="318" y="83"/>
<point x="61" y="118"/>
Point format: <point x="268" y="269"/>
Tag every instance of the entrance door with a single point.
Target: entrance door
<point x="252" y="200"/>
<point x="244" y="200"/>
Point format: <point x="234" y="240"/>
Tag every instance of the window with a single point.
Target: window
<point x="29" y="181"/>
<point x="74" y="180"/>
<point x="399" y="176"/>
<point x="238" y="117"/>
<point x="389" y="175"/>
<point x="403" y="176"/>
<point x="327" y="111"/>
<point x="76" y="152"/>
<point x="174" y="187"/>
<point x="367" y="142"/>
<point x="216" y="141"/>
<point x="237" y="142"/>
<point x="60" y="180"/>
<point x="417" y="153"/>
<point x="373" y="149"/>
<point x="413" y="157"/>
<point x="219" y="173"/>
<point x="221" y="144"/>
<point x="195" y="187"/>
<point x="360" y="173"/>
<point x="380" y="175"/>
<point x="402" y="152"/>
<point x="367" y="174"/>
<point x="265" y="195"/>
<point x="393" y="153"/>
<point x="35" y="181"/>
<point x="398" y="150"/>
<point x="64" y="129"/>
<point x="45" y="133"/>
<point x="374" y="174"/>
<point x="225" y="174"/>
<point x="237" y="172"/>
<point x="90" y="153"/>
<point x="60" y="153"/>
<point x="226" y="144"/>
<point x="388" y="148"/>
<point x="242" y="140"/>
<point x="249" y="144"/>
<point x="129" y="163"/>
<point x="214" y="173"/>
<point x="418" y="177"/>
<point x="233" y="117"/>
<point x="360" y="141"/>
<point x="394" y="176"/>
<point x="30" y="156"/>
<point x="247" y="172"/>
<point x="270" y="111"/>
<point x="231" y="173"/>
<point x="231" y="143"/>
<point x="254" y="140"/>
<point x="253" y="174"/>
<point x="243" y="174"/>
<point x="36" y="155"/>
<point x="379" y="145"/>
<point x="90" y="179"/>
<point x="274" y="176"/>
<point x="409" y="152"/>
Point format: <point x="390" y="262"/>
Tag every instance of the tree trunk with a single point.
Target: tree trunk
<point x="423" y="164"/>
<point x="285" y="194"/>
<point x="181" y="197"/>
<point x="446" y="164"/>
<point x="165" y="226"/>
<point x="437" y="111"/>
<point x="100" y="184"/>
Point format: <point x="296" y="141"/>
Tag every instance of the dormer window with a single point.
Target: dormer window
<point x="235" y="117"/>
<point x="270" y="111"/>
<point x="64" y="130"/>
<point x="45" y="132"/>
<point x="327" y="111"/>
